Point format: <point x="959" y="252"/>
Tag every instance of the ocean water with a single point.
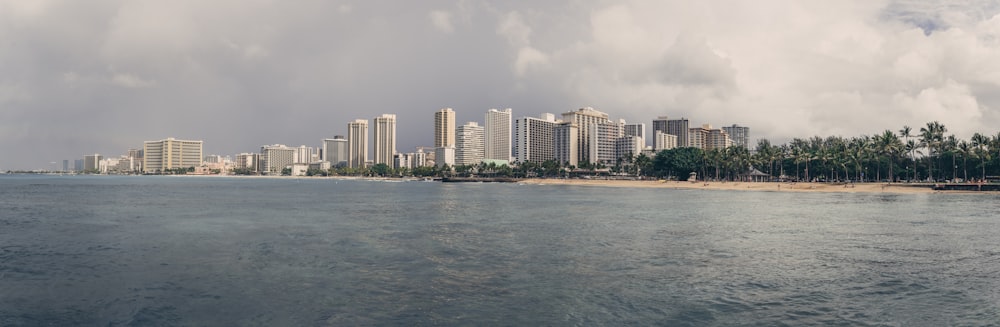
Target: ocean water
<point x="169" y="251"/>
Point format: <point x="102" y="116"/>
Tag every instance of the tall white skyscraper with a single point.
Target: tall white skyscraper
<point x="384" y="138"/>
<point x="534" y="139"/>
<point x="498" y="140"/>
<point x="469" y="146"/>
<point x="586" y="121"/>
<point x="444" y="128"/>
<point x="357" y="143"/>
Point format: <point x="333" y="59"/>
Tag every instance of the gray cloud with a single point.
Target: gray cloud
<point x="104" y="76"/>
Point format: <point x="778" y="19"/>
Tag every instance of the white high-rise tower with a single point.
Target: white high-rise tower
<point x="384" y="138"/>
<point x="497" y="134"/>
<point x="357" y="143"/>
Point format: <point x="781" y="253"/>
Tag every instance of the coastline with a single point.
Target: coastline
<point x="754" y="186"/>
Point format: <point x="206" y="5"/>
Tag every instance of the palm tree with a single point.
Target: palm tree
<point x="932" y="137"/>
<point x="912" y="147"/>
<point x="981" y="142"/>
<point x="965" y="150"/>
<point x="906" y="132"/>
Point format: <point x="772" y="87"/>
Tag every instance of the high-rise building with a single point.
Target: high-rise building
<point x="247" y="161"/>
<point x="275" y="158"/>
<point x="303" y="154"/>
<point x="603" y="142"/>
<point x="469" y="145"/>
<point x="92" y="162"/>
<point x="497" y="134"/>
<point x="679" y="127"/>
<point x="163" y="155"/>
<point x="739" y="134"/>
<point x="566" y="136"/>
<point x="384" y="138"/>
<point x="628" y="146"/>
<point x="534" y="139"/>
<point x="717" y="139"/>
<point x="585" y="119"/>
<point x="335" y="151"/>
<point x="638" y="129"/>
<point x="357" y="143"/>
<point x="444" y="128"/>
<point x="660" y="124"/>
<point x="444" y="156"/>
<point x="664" y="141"/>
<point x="707" y="138"/>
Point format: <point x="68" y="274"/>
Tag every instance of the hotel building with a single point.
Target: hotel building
<point x="469" y="144"/>
<point x="357" y="143"/>
<point x="170" y="153"/>
<point x="384" y="139"/>
<point x="497" y="134"/>
<point x="739" y="134"/>
<point x="274" y="158"/>
<point x="680" y="128"/>
<point x="335" y="151"/>
<point x="534" y="139"/>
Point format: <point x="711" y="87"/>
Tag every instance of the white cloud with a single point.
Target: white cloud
<point x="528" y="58"/>
<point x="441" y="20"/>
<point x="513" y="28"/>
<point x="131" y="81"/>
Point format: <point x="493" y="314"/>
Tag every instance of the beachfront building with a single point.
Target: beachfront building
<point x="739" y="134"/>
<point x="534" y="138"/>
<point x="92" y="162"/>
<point x="384" y="139"/>
<point x="603" y="142"/>
<point x="586" y="119"/>
<point x="357" y="143"/>
<point x="170" y="153"/>
<point x="717" y="139"/>
<point x="304" y="154"/>
<point x="628" y="146"/>
<point x="275" y="158"/>
<point x="444" y="156"/>
<point x="637" y="129"/>
<point x="680" y="128"/>
<point x="335" y="151"/>
<point x="707" y="138"/>
<point x="663" y="141"/>
<point x="566" y="143"/>
<point x="247" y="161"/>
<point x="497" y="135"/>
<point x="469" y="144"/>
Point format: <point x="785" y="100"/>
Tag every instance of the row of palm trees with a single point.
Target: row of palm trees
<point x="925" y="154"/>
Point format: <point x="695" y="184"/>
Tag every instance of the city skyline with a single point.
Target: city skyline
<point x="102" y="77"/>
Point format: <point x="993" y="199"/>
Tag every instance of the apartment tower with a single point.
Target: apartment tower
<point x="357" y="143"/>
<point x="384" y="138"/>
<point x="170" y="153"/>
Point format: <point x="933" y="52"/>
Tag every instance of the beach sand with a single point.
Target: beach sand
<point x="748" y="186"/>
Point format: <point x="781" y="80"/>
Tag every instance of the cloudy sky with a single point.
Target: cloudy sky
<point x="80" y="77"/>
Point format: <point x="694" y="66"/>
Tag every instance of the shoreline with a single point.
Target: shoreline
<point x="755" y="186"/>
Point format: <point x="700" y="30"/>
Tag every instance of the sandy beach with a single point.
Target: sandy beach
<point x="749" y="186"/>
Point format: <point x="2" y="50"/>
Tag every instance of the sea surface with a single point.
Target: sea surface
<point x="216" y="251"/>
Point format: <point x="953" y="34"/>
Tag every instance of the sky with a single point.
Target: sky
<point x="83" y="77"/>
